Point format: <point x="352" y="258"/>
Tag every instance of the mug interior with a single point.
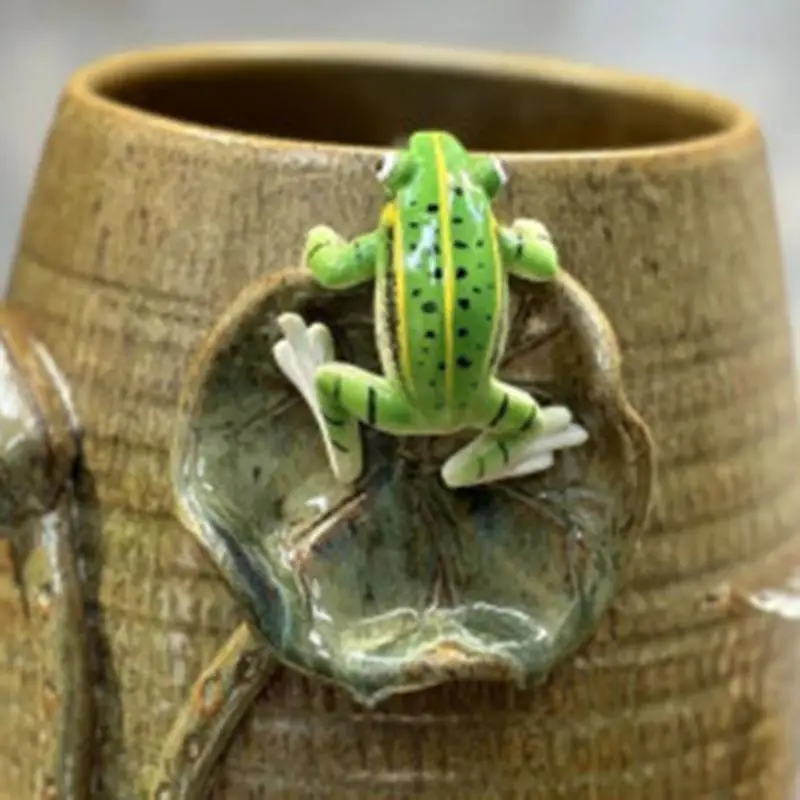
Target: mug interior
<point x="374" y="103"/>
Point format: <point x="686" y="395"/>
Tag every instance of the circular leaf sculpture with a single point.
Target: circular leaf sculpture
<point x="398" y="582"/>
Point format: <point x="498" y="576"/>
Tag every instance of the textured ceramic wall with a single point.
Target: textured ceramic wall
<point x="744" y="49"/>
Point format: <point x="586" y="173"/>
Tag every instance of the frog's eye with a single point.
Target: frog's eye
<point x="384" y="166"/>
<point x="500" y="170"/>
<point x="490" y="173"/>
<point x="394" y="170"/>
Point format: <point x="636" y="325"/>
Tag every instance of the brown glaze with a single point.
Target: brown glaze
<point x="39" y="453"/>
<point x="142" y="227"/>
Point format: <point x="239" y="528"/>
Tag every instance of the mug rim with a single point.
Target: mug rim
<point x="734" y="123"/>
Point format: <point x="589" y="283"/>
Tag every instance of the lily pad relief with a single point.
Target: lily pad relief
<point x="395" y="581"/>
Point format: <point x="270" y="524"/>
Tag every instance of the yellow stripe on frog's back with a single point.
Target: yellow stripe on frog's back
<point x="448" y="268"/>
<point x="500" y="292"/>
<point x="390" y="221"/>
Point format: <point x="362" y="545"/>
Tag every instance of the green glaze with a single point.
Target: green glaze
<point x="397" y="582"/>
<point x="440" y="262"/>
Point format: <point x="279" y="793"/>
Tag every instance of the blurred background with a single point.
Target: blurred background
<point x="747" y="50"/>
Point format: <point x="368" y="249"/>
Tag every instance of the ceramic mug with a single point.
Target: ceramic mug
<point x="157" y="641"/>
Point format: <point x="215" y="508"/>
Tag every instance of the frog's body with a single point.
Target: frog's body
<point x="440" y="262"/>
<point x="441" y="293"/>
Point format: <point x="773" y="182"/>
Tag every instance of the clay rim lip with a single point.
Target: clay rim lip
<point x="737" y="124"/>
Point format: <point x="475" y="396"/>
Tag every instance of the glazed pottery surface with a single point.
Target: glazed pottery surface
<point x="144" y="655"/>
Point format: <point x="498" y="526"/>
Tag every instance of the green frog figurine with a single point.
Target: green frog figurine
<point x="440" y="262"/>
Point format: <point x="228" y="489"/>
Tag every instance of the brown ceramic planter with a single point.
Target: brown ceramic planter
<point x="172" y="181"/>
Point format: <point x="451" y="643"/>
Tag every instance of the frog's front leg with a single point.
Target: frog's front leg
<point x="337" y="263"/>
<point x="518" y="438"/>
<point x="528" y="251"/>
<point x="349" y="395"/>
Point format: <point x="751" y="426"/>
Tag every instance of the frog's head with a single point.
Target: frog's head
<point x="429" y="151"/>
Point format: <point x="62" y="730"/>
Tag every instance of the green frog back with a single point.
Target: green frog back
<point x="442" y="286"/>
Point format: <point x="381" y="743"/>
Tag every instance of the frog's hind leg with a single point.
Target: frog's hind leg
<point x="518" y="438"/>
<point x="349" y="395"/>
<point x="338" y="394"/>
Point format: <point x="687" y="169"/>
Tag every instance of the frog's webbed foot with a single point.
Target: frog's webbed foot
<point x="319" y="238"/>
<point x="302" y="351"/>
<point x="339" y="264"/>
<point x="537" y="454"/>
<point x="524" y="454"/>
